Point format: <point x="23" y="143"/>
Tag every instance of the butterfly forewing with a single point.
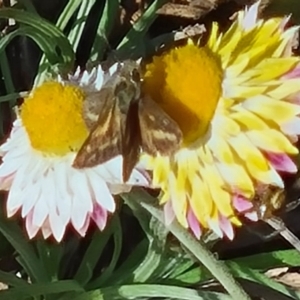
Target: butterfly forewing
<point x="104" y="140"/>
<point x="159" y="132"/>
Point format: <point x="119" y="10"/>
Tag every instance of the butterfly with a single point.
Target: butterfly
<point x="124" y="121"/>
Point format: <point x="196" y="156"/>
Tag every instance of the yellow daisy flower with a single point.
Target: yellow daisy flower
<point x="235" y="100"/>
<point x="37" y="161"/>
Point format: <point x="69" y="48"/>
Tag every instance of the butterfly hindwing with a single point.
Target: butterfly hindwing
<point x="159" y="132"/>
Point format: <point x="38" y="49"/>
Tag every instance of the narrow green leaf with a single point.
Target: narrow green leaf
<point x="12" y="279"/>
<point x="42" y="26"/>
<point x="62" y="22"/>
<point x="28" y="257"/>
<point x="92" y="255"/>
<point x="138" y="291"/>
<point x="67" y="13"/>
<point x="48" y="32"/>
<point x="125" y="272"/>
<point x="40" y="289"/>
<point x="12" y="96"/>
<point x="273" y="259"/>
<point x="42" y="40"/>
<point x="133" y="43"/>
<point x="50" y="257"/>
<point x="76" y="32"/>
<point x="110" y="12"/>
<point x="157" y="235"/>
<point x="117" y="229"/>
<point x="241" y="271"/>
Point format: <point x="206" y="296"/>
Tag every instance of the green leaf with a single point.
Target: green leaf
<point x="110" y="13"/>
<point x="92" y="255"/>
<point x="273" y="259"/>
<point x="43" y="41"/>
<point x="50" y="257"/>
<point x="12" y="279"/>
<point x="28" y="258"/>
<point x="125" y="272"/>
<point x="117" y="229"/>
<point x="45" y="28"/>
<point x="40" y="289"/>
<point x="133" y="43"/>
<point x="62" y="22"/>
<point x="76" y="32"/>
<point x="241" y="271"/>
<point x="157" y="235"/>
<point x="138" y="291"/>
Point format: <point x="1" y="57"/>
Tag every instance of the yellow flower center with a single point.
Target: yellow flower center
<point x="52" y="117"/>
<point x="187" y="83"/>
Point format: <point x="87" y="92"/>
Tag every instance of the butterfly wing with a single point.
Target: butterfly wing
<point x="159" y="132"/>
<point x="105" y="140"/>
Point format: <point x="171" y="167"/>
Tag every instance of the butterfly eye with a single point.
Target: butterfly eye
<point x="135" y="75"/>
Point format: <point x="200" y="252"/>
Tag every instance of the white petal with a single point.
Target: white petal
<point x="101" y="192"/>
<point x="8" y="168"/>
<point x="63" y="192"/>
<point x="58" y="227"/>
<point x="40" y="212"/>
<point x="139" y="177"/>
<point x="46" y="232"/>
<point x="29" y="198"/>
<point x="78" y="215"/>
<point x="31" y="229"/>
<point x="80" y="203"/>
<point x="111" y="171"/>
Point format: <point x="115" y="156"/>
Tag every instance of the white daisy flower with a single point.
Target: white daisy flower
<point x="38" y="155"/>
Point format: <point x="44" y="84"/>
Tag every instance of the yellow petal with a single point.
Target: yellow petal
<point x="248" y="120"/>
<point x="216" y="185"/>
<point x="257" y="165"/>
<point x="237" y="177"/>
<point x="179" y="201"/>
<point x="271" y="68"/>
<point x="221" y="150"/>
<point x="271" y="140"/>
<point x="285" y="88"/>
<point x="200" y="200"/>
<point x="161" y="170"/>
<point x="270" y="109"/>
<point x="244" y="92"/>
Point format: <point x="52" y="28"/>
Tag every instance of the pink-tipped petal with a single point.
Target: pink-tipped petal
<point x="194" y="224"/>
<point x="99" y="215"/>
<point x="82" y="231"/>
<point x="168" y="213"/>
<point x="281" y="162"/>
<point x="295" y="73"/>
<point x="241" y="204"/>
<point x="226" y="227"/>
<point x="6" y="182"/>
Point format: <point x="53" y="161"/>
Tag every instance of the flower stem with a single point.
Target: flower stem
<point x="197" y="248"/>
